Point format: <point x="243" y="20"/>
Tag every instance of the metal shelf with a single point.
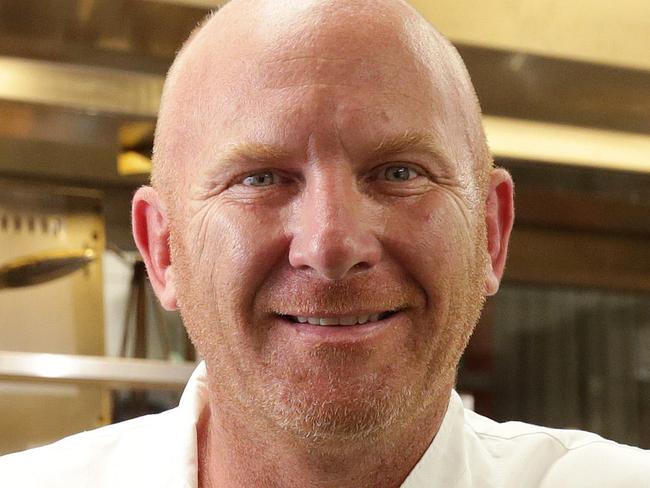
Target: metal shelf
<point x="106" y="372"/>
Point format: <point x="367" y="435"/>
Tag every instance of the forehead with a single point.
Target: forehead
<point x="281" y="94"/>
<point x="278" y="89"/>
<point x="300" y="113"/>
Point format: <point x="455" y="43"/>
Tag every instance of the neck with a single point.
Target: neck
<point x="235" y="452"/>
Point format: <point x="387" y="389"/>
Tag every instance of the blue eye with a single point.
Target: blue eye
<point x="399" y="173"/>
<point x="265" y="178"/>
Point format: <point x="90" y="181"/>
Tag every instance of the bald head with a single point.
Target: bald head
<point x="269" y="44"/>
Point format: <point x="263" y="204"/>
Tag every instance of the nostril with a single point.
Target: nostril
<point x="361" y="266"/>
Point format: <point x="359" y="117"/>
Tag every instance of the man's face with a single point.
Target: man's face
<point x="334" y="188"/>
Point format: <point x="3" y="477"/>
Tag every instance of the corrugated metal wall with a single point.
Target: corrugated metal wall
<point x="576" y="358"/>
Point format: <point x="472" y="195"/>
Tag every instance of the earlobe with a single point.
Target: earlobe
<point x="151" y="233"/>
<point x="499" y="218"/>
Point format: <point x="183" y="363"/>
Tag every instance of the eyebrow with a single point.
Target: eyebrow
<point x="411" y="141"/>
<point x="250" y="151"/>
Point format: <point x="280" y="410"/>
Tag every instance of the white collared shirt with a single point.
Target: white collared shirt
<point x="468" y="451"/>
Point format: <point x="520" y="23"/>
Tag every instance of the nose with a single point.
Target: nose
<point x="333" y="235"/>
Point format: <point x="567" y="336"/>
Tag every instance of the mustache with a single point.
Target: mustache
<point x="297" y="292"/>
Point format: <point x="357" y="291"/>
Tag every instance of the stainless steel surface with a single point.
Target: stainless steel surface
<point x="126" y="34"/>
<point x="644" y="375"/>
<point x="520" y="85"/>
<point x="48" y="142"/>
<point x="48" y="198"/>
<point x="116" y="373"/>
<point x="88" y="89"/>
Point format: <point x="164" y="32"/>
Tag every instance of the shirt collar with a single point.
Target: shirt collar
<point x="195" y="395"/>
<point x="445" y="462"/>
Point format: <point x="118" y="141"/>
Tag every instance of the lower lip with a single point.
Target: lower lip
<point x="341" y="333"/>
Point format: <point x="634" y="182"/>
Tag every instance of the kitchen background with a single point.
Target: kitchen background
<point x="565" y="88"/>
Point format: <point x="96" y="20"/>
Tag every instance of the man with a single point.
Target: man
<point x="326" y="216"/>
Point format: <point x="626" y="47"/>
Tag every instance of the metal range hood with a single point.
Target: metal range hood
<point x="80" y="82"/>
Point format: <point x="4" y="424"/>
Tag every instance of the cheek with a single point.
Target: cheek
<point x="431" y="239"/>
<point x="432" y="229"/>
<point x="233" y="250"/>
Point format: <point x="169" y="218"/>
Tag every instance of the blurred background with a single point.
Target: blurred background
<point x="565" y="89"/>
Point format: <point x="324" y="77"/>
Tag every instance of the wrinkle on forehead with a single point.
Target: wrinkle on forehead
<point x="299" y="42"/>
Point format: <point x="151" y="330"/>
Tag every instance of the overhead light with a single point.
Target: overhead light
<point x="564" y="144"/>
<point x="133" y="163"/>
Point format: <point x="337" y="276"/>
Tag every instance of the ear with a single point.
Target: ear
<point x="499" y="217"/>
<point x="151" y="234"/>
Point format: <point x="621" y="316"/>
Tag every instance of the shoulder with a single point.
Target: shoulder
<point x="558" y="458"/>
<point x="98" y="457"/>
<point x="604" y="464"/>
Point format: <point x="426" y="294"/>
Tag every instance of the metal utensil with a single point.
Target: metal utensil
<point x="43" y="267"/>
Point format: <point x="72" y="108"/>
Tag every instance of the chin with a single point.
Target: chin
<point x="338" y="411"/>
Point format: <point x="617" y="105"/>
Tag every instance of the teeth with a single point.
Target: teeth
<point x="329" y="321"/>
<point x="350" y="320"/>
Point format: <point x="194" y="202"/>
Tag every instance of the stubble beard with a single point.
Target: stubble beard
<point x="362" y="411"/>
<point x="351" y="411"/>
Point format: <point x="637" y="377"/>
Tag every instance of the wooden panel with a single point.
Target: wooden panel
<point x="514" y="84"/>
<point x="546" y="256"/>
<point x="580" y="211"/>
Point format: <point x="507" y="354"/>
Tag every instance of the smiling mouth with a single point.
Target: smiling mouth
<point x="350" y="320"/>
